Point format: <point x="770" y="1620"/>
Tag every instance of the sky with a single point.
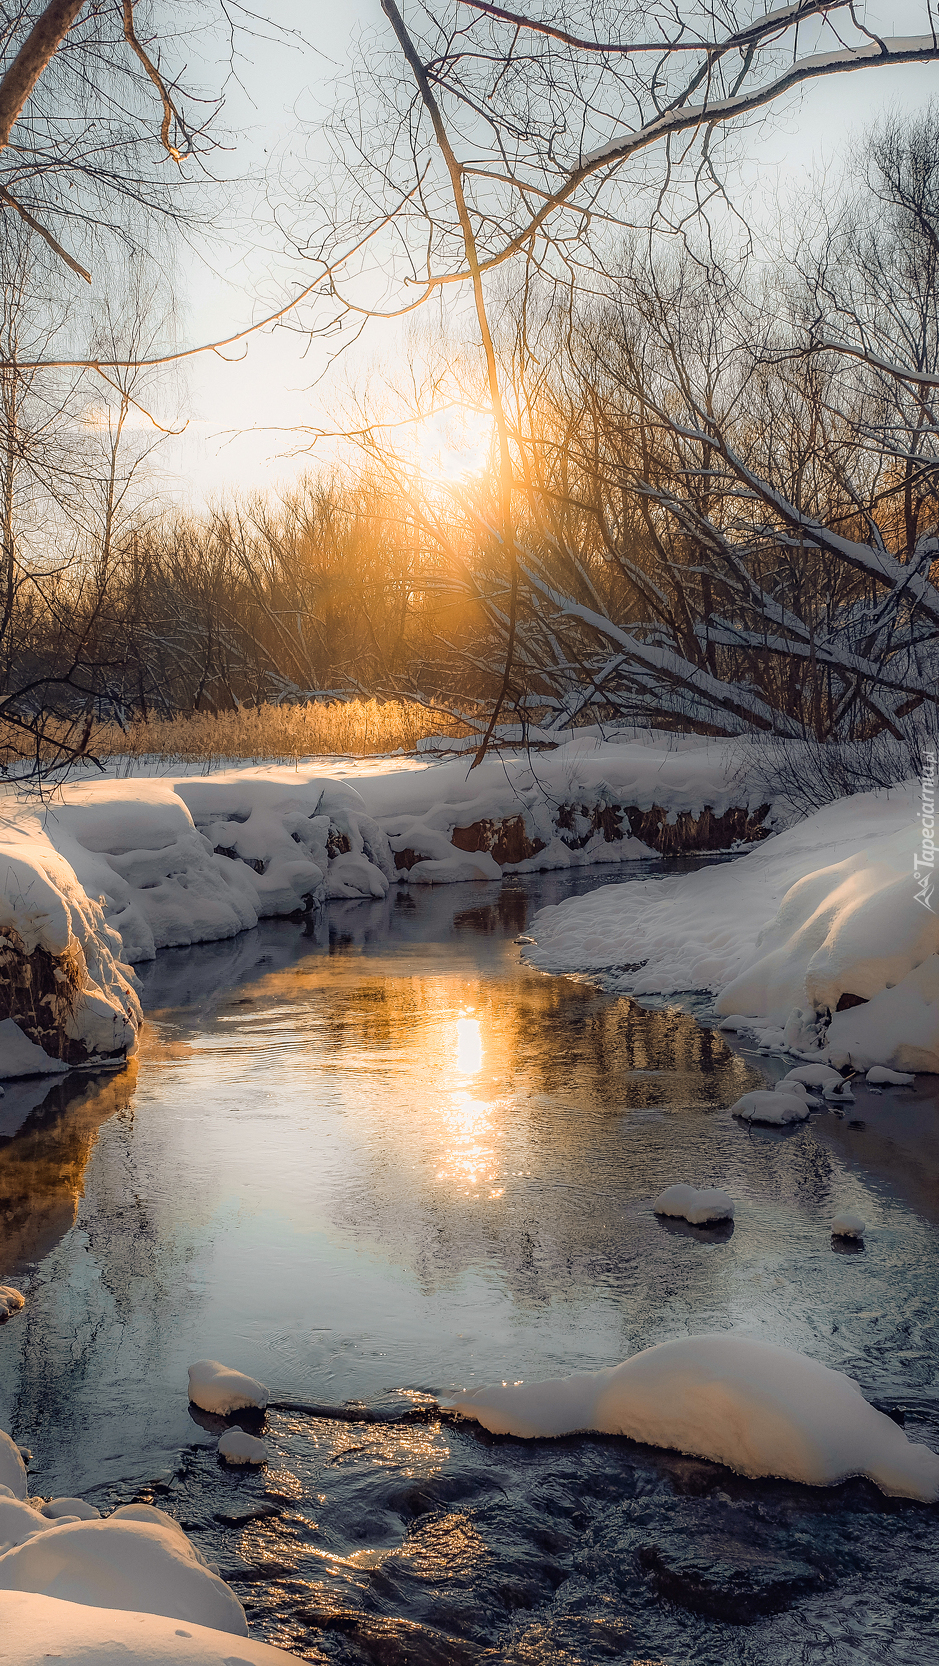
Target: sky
<point x="243" y="417"/>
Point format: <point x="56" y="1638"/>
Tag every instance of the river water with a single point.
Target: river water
<point x="374" y="1158"/>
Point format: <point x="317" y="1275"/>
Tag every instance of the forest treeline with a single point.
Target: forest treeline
<point x="725" y="513"/>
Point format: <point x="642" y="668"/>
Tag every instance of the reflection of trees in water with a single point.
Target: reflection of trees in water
<point x="42" y="1165"/>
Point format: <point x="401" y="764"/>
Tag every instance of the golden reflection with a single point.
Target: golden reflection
<point x="469" y="1047"/>
<point x="469" y="1158"/>
<point x="42" y="1165"/>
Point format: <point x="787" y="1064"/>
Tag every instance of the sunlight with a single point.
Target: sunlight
<point x="469" y="1046"/>
<point x="451" y="445"/>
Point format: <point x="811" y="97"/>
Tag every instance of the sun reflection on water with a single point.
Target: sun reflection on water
<point x="469" y="1047"/>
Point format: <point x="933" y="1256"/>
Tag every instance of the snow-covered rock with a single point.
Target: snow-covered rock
<point x="237" y="1447"/>
<point x="10" y="1300"/>
<point x="35" y="1629"/>
<point x="847" y="1225"/>
<point x="75" y="1508"/>
<point x="12" y="1467"/>
<point x="66" y="997"/>
<point x="149" y="1567"/>
<point x="217" y="1388"/>
<point x="879" y="1076"/>
<point x="774" y="1109"/>
<point x="761" y="1409"/>
<point x="690" y="1204"/>
<point x="811" y="1075"/>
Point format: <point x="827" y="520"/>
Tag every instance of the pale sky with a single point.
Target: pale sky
<point x="239" y="414"/>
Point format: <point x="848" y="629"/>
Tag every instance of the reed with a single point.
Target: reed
<point x="270" y="733"/>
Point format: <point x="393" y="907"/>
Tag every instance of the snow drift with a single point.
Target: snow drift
<point x="146" y="1566"/>
<point x="37" y="1628"/>
<point x="815" y="939"/>
<point x="760" y="1409"/>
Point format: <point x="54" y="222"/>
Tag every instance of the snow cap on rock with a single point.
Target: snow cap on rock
<point x="761" y="1409"/>
<point x="237" y="1447"/>
<point x="698" y="1207"/>
<point x="75" y="1508"/>
<point x="775" y="1109"/>
<point x="217" y="1388"/>
<point x="847" y="1225"/>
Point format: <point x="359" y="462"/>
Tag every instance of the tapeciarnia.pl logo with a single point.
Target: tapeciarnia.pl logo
<point x="925" y="862"/>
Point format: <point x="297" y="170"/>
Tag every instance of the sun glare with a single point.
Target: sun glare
<point x="452" y="445"/>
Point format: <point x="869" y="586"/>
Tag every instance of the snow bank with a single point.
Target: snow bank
<point x="698" y="1207"/>
<point x="129" y="1589"/>
<point x="66" y="997"/>
<point x="761" y="1409"/>
<point x="217" y="1388"/>
<point x="35" y="1629"/>
<point x="109" y="871"/>
<point x="10" y="1300"/>
<point x="821" y="917"/>
<point x="149" y="1567"/>
<point x="191" y="861"/>
<point x="237" y="1447"/>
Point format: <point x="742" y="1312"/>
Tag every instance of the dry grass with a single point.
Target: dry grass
<point x="268" y="733"/>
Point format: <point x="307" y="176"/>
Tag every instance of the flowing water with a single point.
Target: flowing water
<point x="376" y="1157"/>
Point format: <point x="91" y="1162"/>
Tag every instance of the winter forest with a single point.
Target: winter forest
<point x="469" y="666"/>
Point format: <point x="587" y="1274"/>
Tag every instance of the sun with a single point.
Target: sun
<point x="451" y="445"/>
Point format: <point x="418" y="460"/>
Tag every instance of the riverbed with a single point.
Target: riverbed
<point x="373" y="1157"/>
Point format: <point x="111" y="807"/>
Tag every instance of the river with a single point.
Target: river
<point x="375" y="1157"/>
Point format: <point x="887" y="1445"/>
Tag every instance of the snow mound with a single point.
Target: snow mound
<point x="237" y="1447"/>
<point x="695" y="1206"/>
<point x="813" y="1076"/>
<point x="760" y="1409"/>
<point x="217" y="1388"/>
<point x="148" y="1567"/>
<point x="18" y="1522"/>
<point x="878" y="1076"/>
<point x="848" y="1226"/>
<point x="36" y="1629"/>
<point x="76" y="1508"/>
<point x="10" y="1300"/>
<point x="775" y="1109"/>
<point x="12" y="1467"/>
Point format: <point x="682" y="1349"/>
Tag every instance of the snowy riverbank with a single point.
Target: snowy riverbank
<point x="818" y="937"/>
<point x="108" y="871"/>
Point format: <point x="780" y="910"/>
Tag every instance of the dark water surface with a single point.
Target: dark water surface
<point x="378" y="1158"/>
